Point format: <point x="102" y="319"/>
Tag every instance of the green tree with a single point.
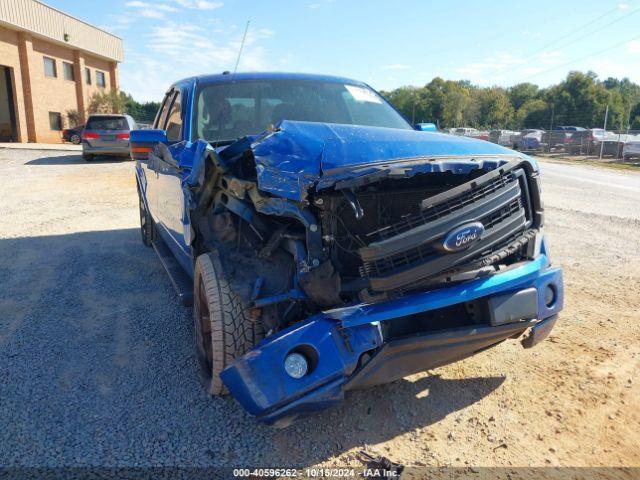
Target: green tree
<point x="496" y="110"/>
<point x="106" y="102"/>
<point x="581" y="99"/>
<point x="634" y="120"/>
<point x="522" y="93"/>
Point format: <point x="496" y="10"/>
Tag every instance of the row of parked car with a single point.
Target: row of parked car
<point x="569" y="139"/>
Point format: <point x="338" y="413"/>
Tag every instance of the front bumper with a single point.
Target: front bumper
<point x="348" y="347"/>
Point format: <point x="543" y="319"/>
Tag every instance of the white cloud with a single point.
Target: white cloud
<point x="550" y="58"/>
<point x="324" y="3"/>
<point x="633" y="47"/>
<point x="185" y="50"/>
<point x="150" y="13"/>
<point x="149" y="10"/>
<point x="118" y="23"/>
<point x="266" y="32"/>
<point x="396" y="66"/>
<point x="605" y="67"/>
<point x="491" y="69"/>
<point x="199" y="4"/>
<point x="623" y="6"/>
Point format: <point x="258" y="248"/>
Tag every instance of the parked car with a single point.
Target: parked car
<point x="585" y="141"/>
<point x="613" y="144"/>
<point x="465" y="131"/>
<point x="481" y="135"/>
<point x="327" y="246"/>
<point x="560" y="136"/>
<point x="631" y="148"/>
<point x="106" y="134"/>
<point x="501" y="137"/>
<point x="529" y="140"/>
<point x="73" y="134"/>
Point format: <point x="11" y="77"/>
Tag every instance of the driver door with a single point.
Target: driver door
<point x="171" y="169"/>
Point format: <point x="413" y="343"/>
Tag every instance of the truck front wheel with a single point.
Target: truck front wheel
<point x="223" y="327"/>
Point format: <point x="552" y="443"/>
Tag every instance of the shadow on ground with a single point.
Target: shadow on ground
<point x="76" y="160"/>
<point x="98" y="368"/>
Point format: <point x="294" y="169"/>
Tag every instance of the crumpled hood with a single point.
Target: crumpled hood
<point x="299" y="155"/>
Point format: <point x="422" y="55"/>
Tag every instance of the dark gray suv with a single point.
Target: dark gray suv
<point x="107" y="134"/>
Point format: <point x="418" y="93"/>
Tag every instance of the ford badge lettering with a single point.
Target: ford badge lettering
<point x="462" y="237"/>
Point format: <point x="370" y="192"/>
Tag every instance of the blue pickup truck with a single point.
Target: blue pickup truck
<point x="327" y="245"/>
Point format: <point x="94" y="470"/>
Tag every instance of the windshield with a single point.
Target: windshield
<point x="227" y="111"/>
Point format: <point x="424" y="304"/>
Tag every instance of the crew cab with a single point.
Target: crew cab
<point x="327" y="245"/>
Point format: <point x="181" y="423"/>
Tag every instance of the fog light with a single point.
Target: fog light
<point x="296" y="365"/>
<point x="549" y="296"/>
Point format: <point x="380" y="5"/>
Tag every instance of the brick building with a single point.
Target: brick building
<point x="50" y="64"/>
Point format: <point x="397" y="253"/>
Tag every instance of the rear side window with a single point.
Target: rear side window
<point x="174" y="121"/>
<point x="107" y="123"/>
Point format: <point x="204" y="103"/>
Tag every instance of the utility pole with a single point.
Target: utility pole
<point x="606" y="116"/>
<point x="553" y="109"/>
<point x="629" y="120"/>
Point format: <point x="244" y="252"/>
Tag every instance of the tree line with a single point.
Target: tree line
<point x="113" y="101"/>
<point x="581" y="100"/>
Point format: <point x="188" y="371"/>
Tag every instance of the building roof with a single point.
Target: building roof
<point x="51" y="24"/>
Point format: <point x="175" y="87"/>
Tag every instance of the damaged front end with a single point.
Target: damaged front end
<point x="371" y="253"/>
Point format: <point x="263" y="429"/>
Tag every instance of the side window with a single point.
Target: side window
<point x="174" y="121"/>
<point x="161" y="120"/>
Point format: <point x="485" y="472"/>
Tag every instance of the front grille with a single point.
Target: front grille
<point x="407" y="252"/>
<point x="425" y="252"/>
<point x="445" y="208"/>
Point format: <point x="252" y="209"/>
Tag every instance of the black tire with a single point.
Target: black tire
<point x="75" y="139"/>
<point x="146" y="222"/>
<point x="87" y="157"/>
<point x="222" y="323"/>
<point x="626" y="158"/>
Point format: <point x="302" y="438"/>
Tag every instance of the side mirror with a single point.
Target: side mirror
<point x="141" y="142"/>
<point x="426" y="127"/>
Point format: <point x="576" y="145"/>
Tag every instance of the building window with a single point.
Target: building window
<point x="50" y="67"/>
<point x="67" y="69"/>
<point x="55" y="121"/>
<point x="100" y="80"/>
<point x="87" y="75"/>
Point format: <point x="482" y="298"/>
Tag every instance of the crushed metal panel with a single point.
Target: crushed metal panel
<point x="299" y="155"/>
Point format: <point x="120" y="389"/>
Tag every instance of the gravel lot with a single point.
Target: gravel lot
<point x="97" y="365"/>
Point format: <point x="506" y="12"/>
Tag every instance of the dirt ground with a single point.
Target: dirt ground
<point x="574" y="400"/>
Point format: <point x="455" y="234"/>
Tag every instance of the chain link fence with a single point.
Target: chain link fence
<point x="565" y="140"/>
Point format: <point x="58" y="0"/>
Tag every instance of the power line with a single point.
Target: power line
<point x="593" y="31"/>
<point x="577" y="29"/>
<point x="580" y="59"/>
<point x="591" y="22"/>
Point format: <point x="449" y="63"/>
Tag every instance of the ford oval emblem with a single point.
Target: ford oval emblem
<point x="462" y="237"/>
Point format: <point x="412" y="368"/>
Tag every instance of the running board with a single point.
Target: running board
<point x="182" y="282"/>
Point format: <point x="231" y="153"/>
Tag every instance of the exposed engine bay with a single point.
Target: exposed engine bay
<point x="295" y="242"/>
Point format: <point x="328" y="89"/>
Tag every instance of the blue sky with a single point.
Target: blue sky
<point x="385" y="43"/>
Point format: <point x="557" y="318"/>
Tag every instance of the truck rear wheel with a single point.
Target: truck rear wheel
<point x="223" y="327"/>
